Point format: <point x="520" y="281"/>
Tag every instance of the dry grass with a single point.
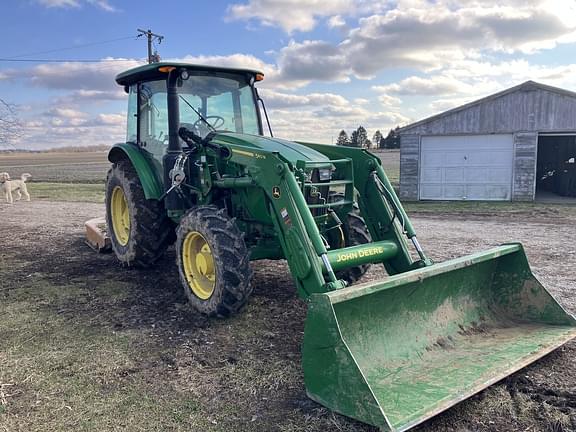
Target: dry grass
<point x="391" y="164"/>
<point x="76" y="192"/>
<point x="88" y="167"/>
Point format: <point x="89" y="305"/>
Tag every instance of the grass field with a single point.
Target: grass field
<point x="80" y="192"/>
<point x="391" y="164"/>
<point x="57" y="167"/>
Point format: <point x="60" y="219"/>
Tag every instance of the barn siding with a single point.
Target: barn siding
<point x="524" y="177"/>
<point x="529" y="109"/>
<point x="409" y="160"/>
<point x="523" y="110"/>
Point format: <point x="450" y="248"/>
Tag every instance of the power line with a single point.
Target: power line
<point x="72" y="47"/>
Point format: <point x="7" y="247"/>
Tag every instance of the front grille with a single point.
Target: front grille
<point x="317" y="191"/>
<point x="316" y="194"/>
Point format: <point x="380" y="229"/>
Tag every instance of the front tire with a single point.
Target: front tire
<point x="213" y="262"/>
<point x="139" y="229"/>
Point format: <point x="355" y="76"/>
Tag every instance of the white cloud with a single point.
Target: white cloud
<point x="65" y="113"/>
<point x="59" y="3"/>
<point x="415" y="34"/>
<point x="102" y="4"/>
<point x="61" y="127"/>
<point x="275" y="99"/>
<point x="336" y="22"/>
<point x="74" y="76"/>
<point x="238" y="60"/>
<point x="110" y="120"/>
<point x="85" y="96"/>
<point x="388" y="100"/>
<point x="312" y="60"/>
<point x="414" y="85"/>
<point x="290" y="15"/>
<point x="324" y="124"/>
<point x="361" y="101"/>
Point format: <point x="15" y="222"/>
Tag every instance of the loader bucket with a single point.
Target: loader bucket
<point x="397" y="352"/>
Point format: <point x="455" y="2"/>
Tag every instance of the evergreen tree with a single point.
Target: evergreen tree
<point x="392" y="141"/>
<point x="354" y="139"/>
<point x="396" y="142"/>
<point x="362" y="137"/>
<point x="377" y="139"/>
<point x="343" y="139"/>
<point x="359" y="138"/>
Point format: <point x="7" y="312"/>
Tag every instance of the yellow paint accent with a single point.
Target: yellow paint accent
<point x="248" y="154"/>
<point x="360" y="253"/>
<point x="120" y="216"/>
<point x="198" y="265"/>
<point x="243" y="153"/>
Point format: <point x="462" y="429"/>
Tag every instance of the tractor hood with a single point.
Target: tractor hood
<point x="288" y="150"/>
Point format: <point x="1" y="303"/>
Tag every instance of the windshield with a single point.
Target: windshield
<point x="217" y="101"/>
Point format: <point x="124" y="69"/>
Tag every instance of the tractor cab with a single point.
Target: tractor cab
<point x="202" y="99"/>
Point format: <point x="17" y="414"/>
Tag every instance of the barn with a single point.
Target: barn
<point x="515" y="145"/>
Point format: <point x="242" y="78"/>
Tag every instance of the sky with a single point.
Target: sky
<point x="328" y="64"/>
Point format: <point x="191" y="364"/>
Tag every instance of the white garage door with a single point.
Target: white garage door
<point x="466" y="167"/>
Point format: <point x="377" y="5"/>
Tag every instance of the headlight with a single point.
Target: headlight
<point x="325" y="174"/>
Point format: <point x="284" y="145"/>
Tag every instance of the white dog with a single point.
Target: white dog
<point x="7" y="186"/>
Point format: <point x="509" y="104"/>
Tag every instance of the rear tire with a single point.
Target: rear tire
<point x="213" y="262"/>
<point x="139" y="229"/>
<point x="355" y="233"/>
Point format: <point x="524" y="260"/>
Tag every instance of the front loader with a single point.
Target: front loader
<point x="197" y="170"/>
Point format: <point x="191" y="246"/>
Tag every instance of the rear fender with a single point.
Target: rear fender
<point x="146" y="173"/>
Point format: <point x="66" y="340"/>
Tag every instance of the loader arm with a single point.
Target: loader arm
<point x="380" y="206"/>
<point x="312" y="265"/>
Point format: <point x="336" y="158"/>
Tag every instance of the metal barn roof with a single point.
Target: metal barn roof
<point x="526" y="86"/>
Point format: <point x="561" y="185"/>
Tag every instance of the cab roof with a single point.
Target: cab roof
<point x="151" y="71"/>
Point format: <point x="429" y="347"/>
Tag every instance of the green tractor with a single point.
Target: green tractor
<point x="197" y="170"/>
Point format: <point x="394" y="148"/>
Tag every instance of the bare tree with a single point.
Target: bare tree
<point x="10" y="125"/>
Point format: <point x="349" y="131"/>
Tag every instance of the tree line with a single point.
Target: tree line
<point x="359" y="138"/>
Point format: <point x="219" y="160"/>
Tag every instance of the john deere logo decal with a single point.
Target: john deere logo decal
<point x="276" y="192"/>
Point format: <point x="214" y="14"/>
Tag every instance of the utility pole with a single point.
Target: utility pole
<point x="152" y="58"/>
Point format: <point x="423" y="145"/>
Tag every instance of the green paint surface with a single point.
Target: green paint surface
<point x="396" y="352"/>
<point x="417" y="388"/>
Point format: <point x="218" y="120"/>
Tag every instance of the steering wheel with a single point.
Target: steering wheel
<point x="218" y="121"/>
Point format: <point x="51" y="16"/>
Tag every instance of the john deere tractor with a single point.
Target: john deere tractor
<point x="197" y="170"/>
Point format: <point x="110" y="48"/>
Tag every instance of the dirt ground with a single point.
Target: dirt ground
<point x="88" y="345"/>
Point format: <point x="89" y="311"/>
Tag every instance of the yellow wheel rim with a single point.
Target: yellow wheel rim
<point x="198" y="265"/>
<point x="120" y="216"/>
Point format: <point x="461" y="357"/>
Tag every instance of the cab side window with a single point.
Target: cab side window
<point x="152" y="113"/>
<point x="131" y="126"/>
